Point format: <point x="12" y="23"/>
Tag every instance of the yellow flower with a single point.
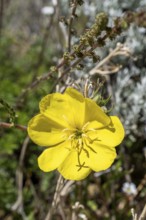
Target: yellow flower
<point x="78" y="135"/>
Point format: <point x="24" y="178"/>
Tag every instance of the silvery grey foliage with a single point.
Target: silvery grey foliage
<point x="130" y="87"/>
<point x="129" y="84"/>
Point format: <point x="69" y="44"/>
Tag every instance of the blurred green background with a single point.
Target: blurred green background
<point x="31" y="41"/>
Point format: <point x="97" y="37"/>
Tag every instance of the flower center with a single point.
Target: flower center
<point x="81" y="142"/>
<point x="78" y="133"/>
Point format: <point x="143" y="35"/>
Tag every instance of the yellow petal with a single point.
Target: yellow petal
<point x="69" y="169"/>
<point x="93" y="126"/>
<point x="52" y="157"/>
<point x="45" y="132"/>
<point x="77" y="107"/>
<point x="55" y="107"/>
<point x="45" y="102"/>
<point x="66" y="109"/>
<point x="96" y="114"/>
<point x="102" y="159"/>
<point x="111" y="135"/>
<point x="73" y="93"/>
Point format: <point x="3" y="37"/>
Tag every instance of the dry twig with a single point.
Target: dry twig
<point x="72" y="16"/>
<point x="18" y="205"/>
<point x="11" y="125"/>
<point x="105" y="67"/>
<point x="56" y="198"/>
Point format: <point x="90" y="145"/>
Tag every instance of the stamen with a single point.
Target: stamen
<point x="89" y="139"/>
<point x="80" y="162"/>
<point x="91" y="149"/>
<point x="68" y="129"/>
<point x="71" y="136"/>
<point x="85" y="125"/>
<point x="88" y="146"/>
<point x="80" y="141"/>
<point x="87" y="153"/>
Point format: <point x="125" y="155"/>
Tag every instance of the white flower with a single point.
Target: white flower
<point x="129" y="188"/>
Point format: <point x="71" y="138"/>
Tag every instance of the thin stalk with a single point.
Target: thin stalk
<point x="56" y="198"/>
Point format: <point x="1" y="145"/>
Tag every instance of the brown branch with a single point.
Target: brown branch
<point x="10" y="125"/>
<point x="74" y="64"/>
<point x="70" y="23"/>
<point x="63" y="62"/>
<point x="50" y="75"/>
